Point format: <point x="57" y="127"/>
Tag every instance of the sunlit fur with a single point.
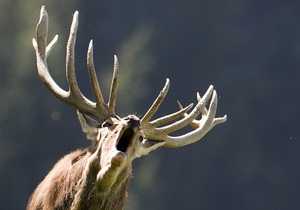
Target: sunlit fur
<point x="93" y="178"/>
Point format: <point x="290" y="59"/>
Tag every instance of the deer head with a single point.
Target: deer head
<point x="97" y="177"/>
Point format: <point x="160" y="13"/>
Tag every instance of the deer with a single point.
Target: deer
<point x="97" y="177"/>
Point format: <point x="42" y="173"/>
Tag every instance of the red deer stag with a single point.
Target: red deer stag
<point x="97" y="177"/>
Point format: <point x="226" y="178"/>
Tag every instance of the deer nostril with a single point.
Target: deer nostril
<point x="134" y="123"/>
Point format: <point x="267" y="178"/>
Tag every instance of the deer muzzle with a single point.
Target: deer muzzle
<point x="129" y="134"/>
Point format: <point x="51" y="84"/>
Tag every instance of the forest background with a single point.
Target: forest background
<point x="248" y="49"/>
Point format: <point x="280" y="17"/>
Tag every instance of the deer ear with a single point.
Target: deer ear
<point x="148" y="145"/>
<point x="88" y="125"/>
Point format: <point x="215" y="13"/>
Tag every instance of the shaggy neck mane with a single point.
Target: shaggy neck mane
<point x="89" y="197"/>
<point x="70" y="191"/>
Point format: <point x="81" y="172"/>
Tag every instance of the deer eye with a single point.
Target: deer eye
<point x="141" y="138"/>
<point x="106" y="124"/>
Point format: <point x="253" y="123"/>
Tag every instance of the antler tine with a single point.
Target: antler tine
<point x="163" y="131"/>
<point x="170" y="117"/>
<point x="94" y="81"/>
<point x="149" y="128"/>
<point x="195" y="124"/>
<point x="114" y="86"/>
<point x="152" y="131"/>
<point x="42" y="52"/>
<point x="152" y="110"/>
<point x="204" y="127"/>
<point x="108" y="109"/>
<point x="74" y="96"/>
<point x="190" y="117"/>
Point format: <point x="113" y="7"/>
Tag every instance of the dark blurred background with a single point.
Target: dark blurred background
<point x="248" y="49"/>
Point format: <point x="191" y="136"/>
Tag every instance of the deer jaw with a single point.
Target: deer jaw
<point x="115" y="144"/>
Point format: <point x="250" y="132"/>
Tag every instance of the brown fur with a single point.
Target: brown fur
<point x="64" y="188"/>
<point x="92" y="178"/>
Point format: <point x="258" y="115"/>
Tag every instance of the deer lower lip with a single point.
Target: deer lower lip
<point x="125" y="141"/>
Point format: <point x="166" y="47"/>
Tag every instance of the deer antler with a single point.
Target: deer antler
<point x="74" y="96"/>
<point x="101" y="110"/>
<point x="103" y="170"/>
<point x="152" y="130"/>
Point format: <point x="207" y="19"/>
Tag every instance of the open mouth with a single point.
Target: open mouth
<point x="125" y="140"/>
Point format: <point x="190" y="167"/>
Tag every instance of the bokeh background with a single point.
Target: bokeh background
<point x="248" y="49"/>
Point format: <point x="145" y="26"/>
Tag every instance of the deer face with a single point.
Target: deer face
<point x="117" y="141"/>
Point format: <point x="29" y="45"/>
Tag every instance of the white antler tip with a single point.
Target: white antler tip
<point x="116" y="62"/>
<point x="198" y="96"/>
<point x="42" y="27"/>
<point x="165" y="88"/>
<point x="34" y="43"/>
<point x="219" y="120"/>
<point x="43" y="11"/>
<point x="179" y="105"/>
<point x="215" y="95"/>
<point x="167" y="84"/>
<point x="90" y="49"/>
<point x="225" y="117"/>
<point x="55" y="38"/>
<point x="76" y="14"/>
<point x="75" y="20"/>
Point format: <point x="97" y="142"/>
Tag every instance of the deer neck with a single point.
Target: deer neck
<point x="93" y="196"/>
